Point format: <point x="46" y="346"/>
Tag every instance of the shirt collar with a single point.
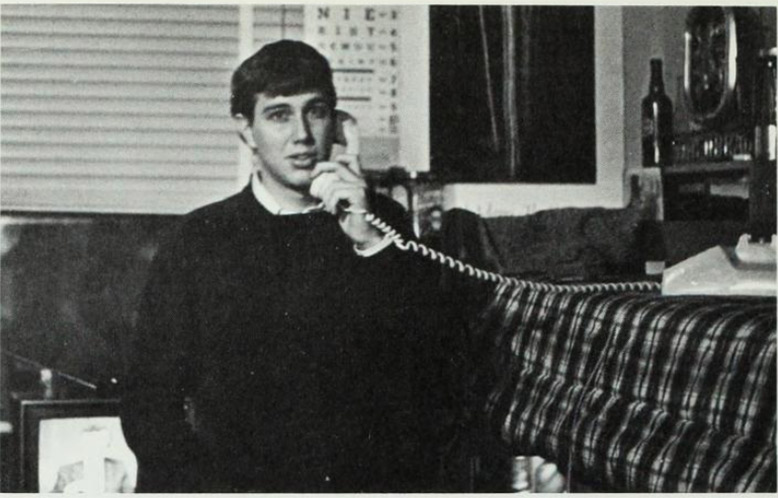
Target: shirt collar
<point x="266" y="199"/>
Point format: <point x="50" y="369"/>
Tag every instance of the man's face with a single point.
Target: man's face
<point x="291" y="134"/>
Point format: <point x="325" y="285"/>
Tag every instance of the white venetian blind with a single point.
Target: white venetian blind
<point x="276" y="22"/>
<point x="116" y="107"/>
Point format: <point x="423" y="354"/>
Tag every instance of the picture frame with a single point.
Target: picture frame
<point x="74" y="446"/>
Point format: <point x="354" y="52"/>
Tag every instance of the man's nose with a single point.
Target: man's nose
<point x="302" y="132"/>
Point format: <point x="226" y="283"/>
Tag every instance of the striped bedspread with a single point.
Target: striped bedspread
<point x="634" y="392"/>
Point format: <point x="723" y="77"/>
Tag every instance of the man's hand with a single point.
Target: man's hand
<point x="340" y="182"/>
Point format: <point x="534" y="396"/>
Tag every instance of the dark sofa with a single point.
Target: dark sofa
<point x="625" y="392"/>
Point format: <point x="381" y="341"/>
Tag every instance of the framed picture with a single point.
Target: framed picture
<point x="74" y="446"/>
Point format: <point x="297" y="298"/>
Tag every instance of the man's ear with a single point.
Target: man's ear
<point x="243" y="126"/>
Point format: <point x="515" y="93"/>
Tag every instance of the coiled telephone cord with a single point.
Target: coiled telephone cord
<point x="470" y="270"/>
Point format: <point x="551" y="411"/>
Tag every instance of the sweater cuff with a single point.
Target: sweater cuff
<point x="374" y="249"/>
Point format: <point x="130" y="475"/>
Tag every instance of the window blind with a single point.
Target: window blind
<point x="276" y="22"/>
<point x="116" y="108"/>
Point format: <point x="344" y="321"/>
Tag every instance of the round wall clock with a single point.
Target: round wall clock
<point x="717" y="66"/>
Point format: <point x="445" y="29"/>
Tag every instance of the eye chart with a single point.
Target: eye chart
<point x="364" y="46"/>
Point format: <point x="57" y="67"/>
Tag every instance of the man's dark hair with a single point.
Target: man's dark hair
<point x="285" y="67"/>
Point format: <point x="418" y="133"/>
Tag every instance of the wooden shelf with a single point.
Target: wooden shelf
<point x="717" y="167"/>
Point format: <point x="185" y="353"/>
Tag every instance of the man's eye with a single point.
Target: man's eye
<point x="319" y="111"/>
<point x="280" y="115"/>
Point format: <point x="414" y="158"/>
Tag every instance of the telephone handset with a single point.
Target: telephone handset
<point x="346" y="132"/>
<point x="347" y="135"/>
<point x="345" y="141"/>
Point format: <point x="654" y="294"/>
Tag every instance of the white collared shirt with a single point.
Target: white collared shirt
<point x="266" y="199"/>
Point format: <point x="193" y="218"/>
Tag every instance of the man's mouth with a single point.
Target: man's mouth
<point x="303" y="160"/>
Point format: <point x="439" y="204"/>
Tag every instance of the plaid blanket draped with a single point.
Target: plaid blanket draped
<point x="634" y="392"/>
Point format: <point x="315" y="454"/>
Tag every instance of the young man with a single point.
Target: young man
<point x="283" y="345"/>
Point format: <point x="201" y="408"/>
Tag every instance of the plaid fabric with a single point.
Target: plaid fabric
<point x="635" y="392"/>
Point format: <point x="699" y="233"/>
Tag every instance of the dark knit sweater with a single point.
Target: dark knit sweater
<point x="270" y="357"/>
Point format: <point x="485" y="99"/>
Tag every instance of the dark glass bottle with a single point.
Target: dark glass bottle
<point x="657" y="113"/>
